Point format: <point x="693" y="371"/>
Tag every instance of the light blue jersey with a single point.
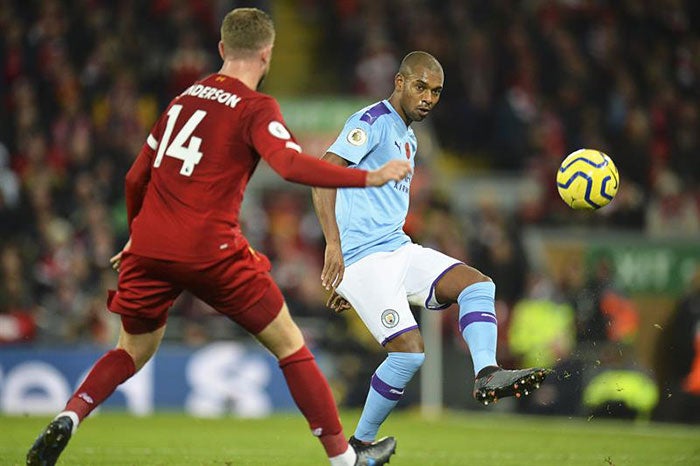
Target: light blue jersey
<point x="371" y="220"/>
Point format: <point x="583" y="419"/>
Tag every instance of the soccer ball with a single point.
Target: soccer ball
<point x="587" y="179"/>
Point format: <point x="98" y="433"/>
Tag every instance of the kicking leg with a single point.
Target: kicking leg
<point x="475" y="294"/>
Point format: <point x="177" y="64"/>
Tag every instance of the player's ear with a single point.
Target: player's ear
<point x="399" y="82"/>
<point x="266" y="55"/>
<point x="221" y="50"/>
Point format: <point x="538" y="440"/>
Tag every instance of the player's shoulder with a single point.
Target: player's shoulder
<point x="259" y="101"/>
<point x="372" y="114"/>
<point x="221" y="87"/>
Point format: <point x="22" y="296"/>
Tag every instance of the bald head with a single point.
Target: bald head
<point x="417" y="86"/>
<point x="415" y="60"/>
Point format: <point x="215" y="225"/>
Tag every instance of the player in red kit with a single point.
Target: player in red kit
<point x="183" y="194"/>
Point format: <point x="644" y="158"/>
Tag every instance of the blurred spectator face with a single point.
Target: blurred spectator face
<point x="10" y="262"/>
<point x="374" y="70"/>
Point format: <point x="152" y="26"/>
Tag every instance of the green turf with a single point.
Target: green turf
<point x="455" y="439"/>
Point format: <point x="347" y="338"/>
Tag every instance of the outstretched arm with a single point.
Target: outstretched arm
<point x="301" y="168"/>
<point x="324" y="203"/>
<point x="271" y="139"/>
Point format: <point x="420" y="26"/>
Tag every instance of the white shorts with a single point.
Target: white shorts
<point x="381" y="286"/>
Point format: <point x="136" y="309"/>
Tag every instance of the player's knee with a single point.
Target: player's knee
<point x="140" y="349"/>
<point x="407" y="362"/>
<point x="476" y="276"/>
<point x="139" y="355"/>
<point x="408" y="342"/>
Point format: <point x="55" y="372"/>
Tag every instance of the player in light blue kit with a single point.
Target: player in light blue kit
<point x="371" y="264"/>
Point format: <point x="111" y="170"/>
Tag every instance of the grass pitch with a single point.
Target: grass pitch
<point x="458" y="439"/>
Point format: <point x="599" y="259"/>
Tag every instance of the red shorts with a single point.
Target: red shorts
<point x="239" y="286"/>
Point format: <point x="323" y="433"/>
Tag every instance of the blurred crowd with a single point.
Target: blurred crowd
<point x="529" y="81"/>
<point x="82" y="81"/>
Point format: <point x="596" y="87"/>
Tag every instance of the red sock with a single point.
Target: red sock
<point x="110" y="371"/>
<point x="313" y="396"/>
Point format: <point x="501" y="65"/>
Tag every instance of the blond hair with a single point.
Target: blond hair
<point x="246" y="30"/>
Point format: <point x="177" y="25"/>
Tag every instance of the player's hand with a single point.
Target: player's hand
<point x="116" y="260"/>
<point x="393" y="170"/>
<point x="337" y="303"/>
<point x="333" y="267"/>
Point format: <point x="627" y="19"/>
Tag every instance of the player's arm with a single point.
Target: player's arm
<point x="135" y="185"/>
<point x="298" y="167"/>
<point x="324" y="203"/>
<point x="136" y="181"/>
<point x="273" y="141"/>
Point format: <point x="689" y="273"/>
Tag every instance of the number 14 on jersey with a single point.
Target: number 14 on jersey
<point x="189" y="154"/>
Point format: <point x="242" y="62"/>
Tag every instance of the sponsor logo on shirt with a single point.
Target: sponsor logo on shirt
<point x="404" y="185"/>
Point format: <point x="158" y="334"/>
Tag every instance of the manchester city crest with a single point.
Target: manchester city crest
<point x="390" y="318"/>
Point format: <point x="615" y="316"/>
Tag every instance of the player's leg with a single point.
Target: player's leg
<point x="132" y="352"/>
<point x="308" y="386"/>
<point x="475" y="294"/>
<point x="387" y="386"/>
<point x="312" y="394"/>
<point x="374" y="286"/>
<point x="138" y="340"/>
<point x="244" y="291"/>
<point x="110" y="371"/>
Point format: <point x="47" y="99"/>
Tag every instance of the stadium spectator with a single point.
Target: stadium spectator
<point x="607" y="65"/>
<point x="625" y="393"/>
<point x="17" y="306"/>
<point x="673" y="211"/>
<point x="604" y="315"/>
<point x="371" y="264"/>
<point x="619" y="76"/>
<point x="541" y="331"/>
<point x="186" y="237"/>
<point x="678" y="359"/>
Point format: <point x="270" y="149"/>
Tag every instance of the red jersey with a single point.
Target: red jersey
<point x="185" y="189"/>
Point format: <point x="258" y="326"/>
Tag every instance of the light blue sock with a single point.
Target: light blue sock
<point x="478" y="324"/>
<point x="386" y="388"/>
